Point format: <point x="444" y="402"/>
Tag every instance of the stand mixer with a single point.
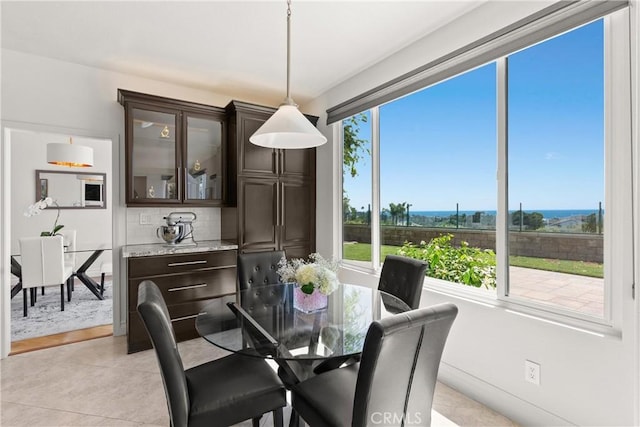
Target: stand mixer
<point x="179" y="229"/>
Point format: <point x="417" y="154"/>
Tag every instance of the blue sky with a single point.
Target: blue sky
<point x="438" y="146"/>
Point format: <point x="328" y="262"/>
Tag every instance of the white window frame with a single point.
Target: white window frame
<point x="374" y="123"/>
<point x="618" y="257"/>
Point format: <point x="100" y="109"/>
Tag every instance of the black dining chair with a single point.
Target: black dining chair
<point x="402" y="277"/>
<point x="255" y="270"/>
<point x="222" y="392"/>
<point x="395" y="380"/>
<point x="259" y="269"/>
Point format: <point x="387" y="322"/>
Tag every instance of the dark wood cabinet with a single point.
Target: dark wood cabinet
<point x="258" y="222"/>
<point x="188" y="283"/>
<point x="276" y="214"/>
<point x="271" y="192"/>
<point x="175" y="151"/>
<point x="297" y="217"/>
<point x="256" y="160"/>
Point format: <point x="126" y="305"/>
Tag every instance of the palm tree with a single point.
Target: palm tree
<point x="397" y="211"/>
<point x="402" y="208"/>
<point x="393" y="211"/>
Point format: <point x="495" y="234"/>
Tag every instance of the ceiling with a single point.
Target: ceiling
<point x="228" y="47"/>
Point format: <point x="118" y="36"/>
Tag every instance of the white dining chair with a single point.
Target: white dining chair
<point x="43" y="265"/>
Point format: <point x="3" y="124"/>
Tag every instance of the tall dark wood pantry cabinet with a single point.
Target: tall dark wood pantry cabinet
<point x="271" y="192"/>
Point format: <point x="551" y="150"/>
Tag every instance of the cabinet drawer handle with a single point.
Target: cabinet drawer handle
<point x="176" y="264"/>
<point x="184" y="288"/>
<point x="177" y="319"/>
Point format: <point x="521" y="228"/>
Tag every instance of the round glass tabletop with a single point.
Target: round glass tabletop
<point x="280" y="322"/>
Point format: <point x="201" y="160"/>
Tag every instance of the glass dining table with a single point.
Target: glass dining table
<point x="266" y="322"/>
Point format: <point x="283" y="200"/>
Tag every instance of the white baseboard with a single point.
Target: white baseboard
<point x="512" y="407"/>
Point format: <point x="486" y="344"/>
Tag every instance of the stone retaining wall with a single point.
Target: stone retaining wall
<point x="575" y="247"/>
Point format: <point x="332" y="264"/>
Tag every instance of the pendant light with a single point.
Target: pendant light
<point x="71" y="155"/>
<point x="288" y="127"/>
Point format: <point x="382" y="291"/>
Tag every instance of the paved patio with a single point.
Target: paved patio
<point x="569" y="291"/>
<point x="578" y="293"/>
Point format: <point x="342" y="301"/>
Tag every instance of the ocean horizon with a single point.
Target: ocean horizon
<point x="546" y="213"/>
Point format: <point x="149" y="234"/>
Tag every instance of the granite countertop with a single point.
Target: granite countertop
<point x="153" y="249"/>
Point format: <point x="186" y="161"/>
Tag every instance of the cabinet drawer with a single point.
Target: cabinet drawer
<point x="180" y="288"/>
<point x="183" y="320"/>
<point x="168" y="264"/>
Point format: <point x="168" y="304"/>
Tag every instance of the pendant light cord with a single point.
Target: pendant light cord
<point x="288" y="100"/>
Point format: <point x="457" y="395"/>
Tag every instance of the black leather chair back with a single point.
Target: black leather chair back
<point x="399" y="366"/>
<point x="403" y="277"/>
<point x="258" y="269"/>
<point x="272" y="309"/>
<point x="155" y="316"/>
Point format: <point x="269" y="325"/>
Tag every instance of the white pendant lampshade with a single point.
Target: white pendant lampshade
<point x="70" y="155"/>
<point x="288" y="127"/>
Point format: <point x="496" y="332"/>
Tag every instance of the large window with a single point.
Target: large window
<point x="533" y="119"/>
<point x="556" y="171"/>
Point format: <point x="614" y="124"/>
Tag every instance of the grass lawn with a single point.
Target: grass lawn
<point x="362" y="252"/>
<point x="580" y="268"/>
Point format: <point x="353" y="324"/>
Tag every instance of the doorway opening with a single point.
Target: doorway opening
<point x="87" y="230"/>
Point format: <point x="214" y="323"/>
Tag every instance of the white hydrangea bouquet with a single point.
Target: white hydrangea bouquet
<point x="315" y="274"/>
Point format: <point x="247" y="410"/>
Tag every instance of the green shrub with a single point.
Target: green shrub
<point x="464" y="264"/>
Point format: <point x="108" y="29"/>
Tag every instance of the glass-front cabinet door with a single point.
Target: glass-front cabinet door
<point x="154" y="156"/>
<point x="175" y="151"/>
<point x="203" y="170"/>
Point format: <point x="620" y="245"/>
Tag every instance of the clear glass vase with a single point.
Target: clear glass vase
<point x="309" y="303"/>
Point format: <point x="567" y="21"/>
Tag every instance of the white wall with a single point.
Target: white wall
<point x="205" y="227"/>
<point x="586" y="379"/>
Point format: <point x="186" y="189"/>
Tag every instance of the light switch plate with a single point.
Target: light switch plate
<point x="145" y="219"/>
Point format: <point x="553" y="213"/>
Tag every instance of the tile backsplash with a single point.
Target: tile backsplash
<point x="205" y="227"/>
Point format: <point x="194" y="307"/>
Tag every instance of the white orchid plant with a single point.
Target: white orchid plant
<point x="317" y="273"/>
<point x="38" y="207"/>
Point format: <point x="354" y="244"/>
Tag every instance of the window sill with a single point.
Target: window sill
<point x="488" y="298"/>
<point x="547" y="314"/>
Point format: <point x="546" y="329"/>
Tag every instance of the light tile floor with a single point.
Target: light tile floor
<point x="95" y="383"/>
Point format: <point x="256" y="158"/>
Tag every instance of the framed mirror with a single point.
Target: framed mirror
<point x="72" y="190"/>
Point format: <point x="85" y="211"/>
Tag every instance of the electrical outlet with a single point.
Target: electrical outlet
<point x="532" y="372"/>
<point x="145" y="219"/>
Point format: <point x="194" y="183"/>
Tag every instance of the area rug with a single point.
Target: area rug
<point x="45" y="318"/>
